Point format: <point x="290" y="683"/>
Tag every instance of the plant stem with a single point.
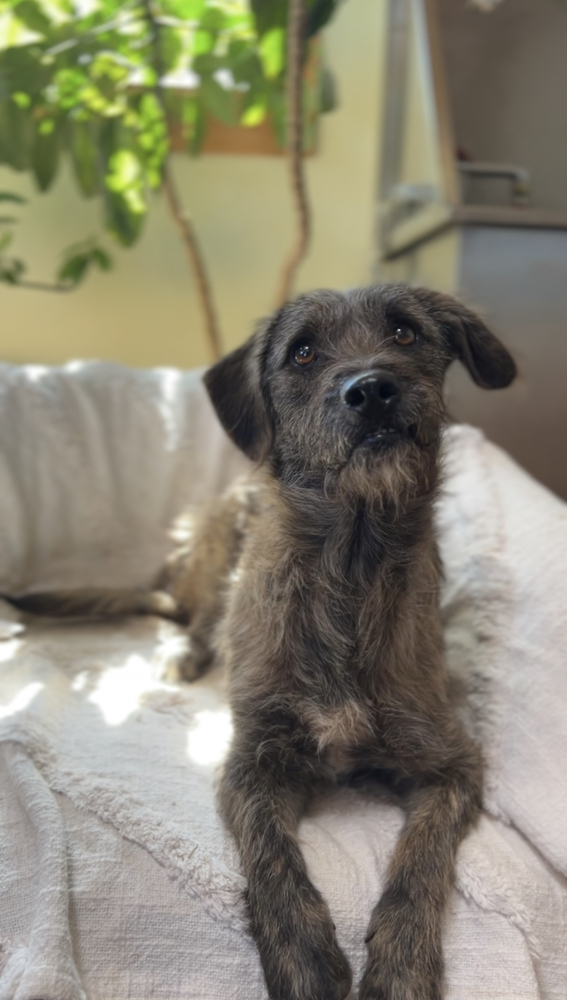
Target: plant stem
<point x="294" y="80"/>
<point x="186" y="229"/>
<point x="39" y="286"/>
<point x="180" y="216"/>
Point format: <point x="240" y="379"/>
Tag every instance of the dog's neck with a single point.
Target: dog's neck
<point x="351" y="537"/>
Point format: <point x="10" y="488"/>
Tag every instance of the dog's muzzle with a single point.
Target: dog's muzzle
<point x="375" y="397"/>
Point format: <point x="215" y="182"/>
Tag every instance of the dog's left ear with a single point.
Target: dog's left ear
<point x="234" y="386"/>
<point x="489" y="363"/>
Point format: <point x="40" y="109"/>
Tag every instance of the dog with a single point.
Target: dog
<point x="317" y="586"/>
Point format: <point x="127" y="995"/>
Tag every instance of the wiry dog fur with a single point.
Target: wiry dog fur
<point x="320" y="584"/>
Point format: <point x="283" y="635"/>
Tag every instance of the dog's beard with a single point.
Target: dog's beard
<point x="360" y="463"/>
<point x="389" y="477"/>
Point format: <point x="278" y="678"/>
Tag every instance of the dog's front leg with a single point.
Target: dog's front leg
<point x="404" y="937"/>
<point x="261" y="802"/>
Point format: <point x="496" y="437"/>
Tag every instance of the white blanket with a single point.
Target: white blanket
<point x="117" y="881"/>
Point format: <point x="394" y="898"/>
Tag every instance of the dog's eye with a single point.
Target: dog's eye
<point x="303" y="353"/>
<point x="404" y="335"/>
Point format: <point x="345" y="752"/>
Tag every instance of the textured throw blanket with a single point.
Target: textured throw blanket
<point x="117" y="881"/>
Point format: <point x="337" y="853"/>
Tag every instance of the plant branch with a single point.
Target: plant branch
<point x="180" y="216"/>
<point x="294" y="80"/>
<point x="186" y="229"/>
<point x="39" y="286"/>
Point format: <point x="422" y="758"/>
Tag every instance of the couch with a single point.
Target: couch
<point x="116" y="878"/>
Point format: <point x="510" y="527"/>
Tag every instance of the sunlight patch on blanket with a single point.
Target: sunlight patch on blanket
<point x="210" y="736"/>
<point x="36" y="372"/>
<point x="21" y="700"/>
<point x="120" y="689"/>
<point x="9" y="649"/>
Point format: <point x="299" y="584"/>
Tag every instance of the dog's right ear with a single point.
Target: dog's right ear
<point x="234" y="387"/>
<point x="488" y="362"/>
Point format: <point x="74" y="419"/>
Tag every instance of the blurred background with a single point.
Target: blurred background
<point x="435" y="153"/>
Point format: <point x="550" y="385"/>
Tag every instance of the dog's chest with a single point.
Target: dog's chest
<point x="341" y="733"/>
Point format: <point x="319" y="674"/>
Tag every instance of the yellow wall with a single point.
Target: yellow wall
<point x="146" y="312"/>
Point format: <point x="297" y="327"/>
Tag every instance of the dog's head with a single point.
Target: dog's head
<point x="347" y="388"/>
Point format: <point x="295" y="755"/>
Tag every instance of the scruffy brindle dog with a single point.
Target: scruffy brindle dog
<point x="330" y="625"/>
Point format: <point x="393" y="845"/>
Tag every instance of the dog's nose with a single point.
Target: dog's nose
<point x="371" y="393"/>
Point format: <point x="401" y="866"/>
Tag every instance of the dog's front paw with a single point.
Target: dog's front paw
<point x="303" y="971"/>
<point x="404" y="955"/>
<point x="300" y="954"/>
<point x="194" y="661"/>
<point x="381" y="981"/>
<point x="183" y="657"/>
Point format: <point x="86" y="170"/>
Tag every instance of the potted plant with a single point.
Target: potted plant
<point x="116" y="87"/>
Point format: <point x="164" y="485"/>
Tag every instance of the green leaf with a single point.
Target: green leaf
<point x="199" y="130"/>
<point x="22" y="99"/>
<point x="213" y="18"/>
<point x="319" y="12"/>
<point x="70" y="87"/>
<point x="79" y="258"/>
<point x="33" y="16"/>
<point x="150" y="110"/>
<point x="194" y="122"/>
<point x="277" y="106"/>
<point x="274" y="14"/>
<point x="152" y="144"/>
<point x="126" y="226"/>
<point x="106" y="66"/>
<point x="269" y="14"/>
<point x="255" y="113"/>
<point x="206" y="64"/>
<point x="46" y="126"/>
<point x="185" y="10"/>
<point x="134" y="200"/>
<point x="5" y="150"/>
<point x="328" y="92"/>
<point x="125" y="171"/>
<point x="222" y="104"/>
<point x="45" y="156"/>
<point x="7" y="220"/>
<point x="272" y="52"/>
<point x="170" y="48"/>
<point x="113" y="137"/>
<point x="203" y="42"/>
<point x="246" y="67"/>
<point x="10" y="196"/>
<point x="23" y="68"/>
<point x="16" y="135"/>
<point x="11" y="271"/>
<point x="102" y="258"/>
<point x="85" y="156"/>
<point x="75" y="268"/>
<point x="5" y="240"/>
